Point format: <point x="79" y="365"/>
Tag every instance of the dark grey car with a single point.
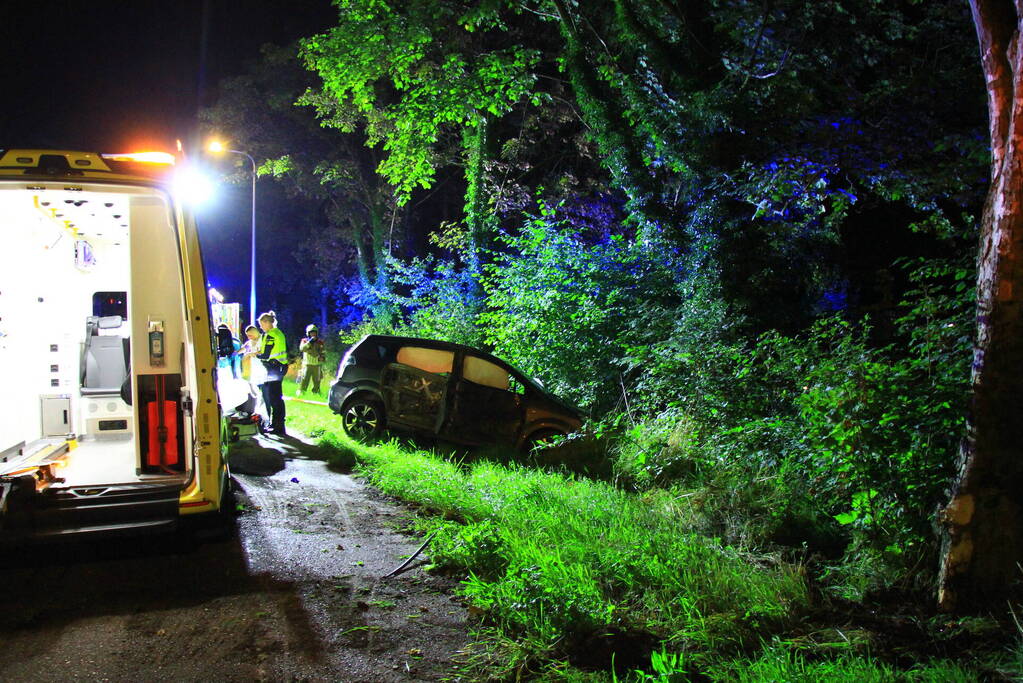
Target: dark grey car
<point x="451" y="391"/>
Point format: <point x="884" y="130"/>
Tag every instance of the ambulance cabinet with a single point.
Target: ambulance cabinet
<point x="56" y="412"/>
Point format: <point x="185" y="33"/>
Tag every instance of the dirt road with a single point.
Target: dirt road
<point x="294" y="594"/>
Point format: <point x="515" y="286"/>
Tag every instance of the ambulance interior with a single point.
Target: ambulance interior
<point x="95" y="360"/>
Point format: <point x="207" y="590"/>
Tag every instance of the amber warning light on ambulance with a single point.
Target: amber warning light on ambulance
<point x="143" y="157"/>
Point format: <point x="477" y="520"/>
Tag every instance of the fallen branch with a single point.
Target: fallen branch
<point x="411" y="557"/>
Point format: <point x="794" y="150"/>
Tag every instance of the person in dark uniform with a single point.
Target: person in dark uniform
<point x="273" y="354"/>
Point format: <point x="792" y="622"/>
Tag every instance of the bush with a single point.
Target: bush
<point x="561" y="306"/>
<point x="886" y="423"/>
<point x="441" y="300"/>
<point x="815" y="437"/>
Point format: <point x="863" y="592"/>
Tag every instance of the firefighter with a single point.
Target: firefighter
<point x="314" y="353"/>
<point x="273" y="354"/>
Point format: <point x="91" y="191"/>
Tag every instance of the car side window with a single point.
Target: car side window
<point x="437" y="361"/>
<point x="481" y="371"/>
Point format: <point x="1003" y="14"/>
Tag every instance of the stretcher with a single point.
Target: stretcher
<point x="37" y="468"/>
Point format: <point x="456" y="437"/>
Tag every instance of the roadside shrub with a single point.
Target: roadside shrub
<point x="474" y="547"/>
<point x="822" y="438"/>
<point x="885" y="424"/>
<point x="658" y="451"/>
<point x="439" y="300"/>
<point x="559" y="304"/>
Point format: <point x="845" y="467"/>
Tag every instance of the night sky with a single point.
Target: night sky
<point x="112" y="76"/>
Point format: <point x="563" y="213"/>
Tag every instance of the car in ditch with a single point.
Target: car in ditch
<point x="445" y="390"/>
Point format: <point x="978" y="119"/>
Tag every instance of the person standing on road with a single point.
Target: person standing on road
<point x="249" y="348"/>
<point x="273" y="354"/>
<point x="253" y="372"/>
<point x="314" y="353"/>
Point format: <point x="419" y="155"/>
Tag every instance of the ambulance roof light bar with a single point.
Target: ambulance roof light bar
<point x="143" y="157"/>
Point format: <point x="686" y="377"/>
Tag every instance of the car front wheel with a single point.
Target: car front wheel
<point x="363" y="418"/>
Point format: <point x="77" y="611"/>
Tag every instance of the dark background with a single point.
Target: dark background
<point x="117" y="76"/>
<point x="131" y="75"/>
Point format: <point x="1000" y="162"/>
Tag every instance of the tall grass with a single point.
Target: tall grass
<point x="776" y="663"/>
<point x="579" y="556"/>
<point x="561" y="565"/>
<point x="558" y="559"/>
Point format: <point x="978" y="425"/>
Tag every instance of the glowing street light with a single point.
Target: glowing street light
<point x="218" y="148"/>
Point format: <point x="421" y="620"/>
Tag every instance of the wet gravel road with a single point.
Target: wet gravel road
<point x="294" y="593"/>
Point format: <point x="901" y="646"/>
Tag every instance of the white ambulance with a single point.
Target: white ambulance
<point x="109" y="420"/>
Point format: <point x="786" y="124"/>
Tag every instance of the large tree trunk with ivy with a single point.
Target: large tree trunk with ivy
<point x="983" y="522"/>
<point x="479" y="217"/>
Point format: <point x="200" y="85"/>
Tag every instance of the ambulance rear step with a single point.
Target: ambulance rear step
<point x="61" y="511"/>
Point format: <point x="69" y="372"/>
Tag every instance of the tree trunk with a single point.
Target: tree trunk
<point x="478" y="220"/>
<point x="982" y="539"/>
<point x="378" y="238"/>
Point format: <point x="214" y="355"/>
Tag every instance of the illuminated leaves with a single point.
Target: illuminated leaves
<point x="414" y="75"/>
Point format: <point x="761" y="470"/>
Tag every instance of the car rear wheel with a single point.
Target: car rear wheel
<point x="362" y="418"/>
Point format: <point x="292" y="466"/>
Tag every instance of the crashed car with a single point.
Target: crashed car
<point x="450" y="391"/>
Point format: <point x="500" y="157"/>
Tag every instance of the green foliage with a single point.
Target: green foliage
<point x="409" y="75"/>
<point x="778" y="663"/>
<point x="475" y="546"/>
<point x="440" y="299"/>
<point x="801" y="439"/>
<point x="823" y="437"/>
<point x="559" y="306"/>
<point x="665" y="667"/>
<point x="710" y="309"/>
<point x="887" y="423"/>
<point x="303" y="417"/>
<point x="338" y="452"/>
<point x="555" y="558"/>
<point x="326" y="174"/>
<point x="386" y="323"/>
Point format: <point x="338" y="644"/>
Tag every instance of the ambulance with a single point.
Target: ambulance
<point x="109" y="419"/>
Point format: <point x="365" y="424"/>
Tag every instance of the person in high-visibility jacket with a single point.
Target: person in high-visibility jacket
<point x="273" y="354"/>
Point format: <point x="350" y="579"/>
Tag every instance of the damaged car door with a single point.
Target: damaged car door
<point x="415" y="387"/>
<point x="484" y="408"/>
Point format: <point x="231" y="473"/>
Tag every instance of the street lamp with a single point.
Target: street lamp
<point x="218" y="148"/>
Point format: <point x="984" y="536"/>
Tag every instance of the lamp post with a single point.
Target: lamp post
<point x="218" y="148"/>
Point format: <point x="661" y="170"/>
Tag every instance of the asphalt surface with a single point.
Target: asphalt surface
<point x="293" y="593"/>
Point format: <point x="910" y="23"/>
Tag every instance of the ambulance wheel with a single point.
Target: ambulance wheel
<point x="362" y="418"/>
<point x="216" y="526"/>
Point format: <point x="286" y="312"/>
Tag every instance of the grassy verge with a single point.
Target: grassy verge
<point x="291" y="388"/>
<point x="573" y="574"/>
